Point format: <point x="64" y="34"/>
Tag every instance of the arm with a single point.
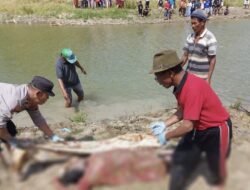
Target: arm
<point x="64" y="93"/>
<point x="80" y="67"/>
<point x="184" y="128"/>
<point x="176" y="117"/>
<point x="39" y="121"/>
<point x="62" y="88"/>
<point x="4" y="134"/>
<point x="211" y="67"/>
<point x="46" y="130"/>
<point x="184" y="58"/>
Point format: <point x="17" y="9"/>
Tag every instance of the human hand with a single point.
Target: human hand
<point x="67" y="101"/>
<point x="162" y="138"/>
<point x="55" y="138"/>
<point x="14" y="143"/>
<point x="158" y="129"/>
<point x="84" y="72"/>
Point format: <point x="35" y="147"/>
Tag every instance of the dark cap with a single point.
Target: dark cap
<point x="164" y="61"/>
<point x="198" y="13"/>
<point x="43" y="84"/>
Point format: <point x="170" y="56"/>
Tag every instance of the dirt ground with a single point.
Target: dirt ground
<point x="41" y="174"/>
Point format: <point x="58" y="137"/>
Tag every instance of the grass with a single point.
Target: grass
<point x="58" y="9"/>
<point x="236" y="105"/>
<point x="64" y="9"/>
<point x="80" y="117"/>
<point x="234" y="3"/>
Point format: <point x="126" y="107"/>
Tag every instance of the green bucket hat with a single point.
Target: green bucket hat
<point x="164" y="61"/>
<point x="69" y="55"/>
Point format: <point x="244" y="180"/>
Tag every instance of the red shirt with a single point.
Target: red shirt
<point x="166" y="5"/>
<point x="200" y="103"/>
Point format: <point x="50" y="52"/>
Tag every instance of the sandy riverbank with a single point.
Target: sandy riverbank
<point x="157" y="17"/>
<point x="42" y="176"/>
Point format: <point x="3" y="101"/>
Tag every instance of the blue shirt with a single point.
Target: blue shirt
<point x="207" y="4"/>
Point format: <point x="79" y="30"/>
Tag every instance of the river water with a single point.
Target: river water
<point x="117" y="59"/>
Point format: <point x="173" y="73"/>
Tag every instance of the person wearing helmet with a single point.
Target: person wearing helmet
<point x="67" y="76"/>
<point x="200" y="48"/>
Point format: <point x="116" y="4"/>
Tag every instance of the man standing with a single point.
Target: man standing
<point x="16" y="98"/>
<point x="67" y="76"/>
<point x="206" y="128"/>
<point x="200" y="48"/>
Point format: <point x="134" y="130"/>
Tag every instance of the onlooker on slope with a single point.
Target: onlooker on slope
<point x="207" y="7"/>
<point x="246" y="4"/>
<point x="167" y="8"/>
<point x="147" y="4"/>
<point x="200" y="48"/>
<point x="226" y="12"/>
<point x="140" y="8"/>
<point x="188" y="8"/>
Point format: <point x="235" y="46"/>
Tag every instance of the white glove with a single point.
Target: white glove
<point x="55" y="138"/>
<point x="158" y="129"/>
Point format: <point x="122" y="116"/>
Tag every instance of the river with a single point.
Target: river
<point x="117" y="59"/>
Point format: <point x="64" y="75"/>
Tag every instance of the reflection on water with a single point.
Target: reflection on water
<point x="117" y="59"/>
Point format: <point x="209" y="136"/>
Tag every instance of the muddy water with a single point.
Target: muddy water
<point x="117" y="59"/>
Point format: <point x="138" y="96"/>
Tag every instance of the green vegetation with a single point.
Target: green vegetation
<point x="80" y="117"/>
<point x="65" y="10"/>
<point x="236" y="105"/>
<point x="58" y="9"/>
<point x="234" y="3"/>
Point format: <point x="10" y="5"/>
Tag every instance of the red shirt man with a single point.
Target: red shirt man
<point x="200" y="103"/>
<point x="205" y="127"/>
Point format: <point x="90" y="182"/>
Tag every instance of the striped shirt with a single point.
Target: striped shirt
<point x="14" y="98"/>
<point x="198" y="53"/>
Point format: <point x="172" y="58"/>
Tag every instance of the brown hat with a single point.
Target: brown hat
<point x="164" y="61"/>
<point x="43" y="84"/>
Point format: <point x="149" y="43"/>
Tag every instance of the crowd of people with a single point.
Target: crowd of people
<point x="95" y="3"/>
<point x="186" y="7"/>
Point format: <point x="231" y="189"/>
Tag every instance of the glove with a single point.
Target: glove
<point x="55" y="138"/>
<point x="162" y="138"/>
<point x="158" y="129"/>
<point x="14" y="143"/>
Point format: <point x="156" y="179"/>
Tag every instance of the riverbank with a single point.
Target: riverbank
<point x="41" y="177"/>
<point x="156" y="16"/>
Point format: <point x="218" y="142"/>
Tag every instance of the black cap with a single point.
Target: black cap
<point x="43" y="84"/>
